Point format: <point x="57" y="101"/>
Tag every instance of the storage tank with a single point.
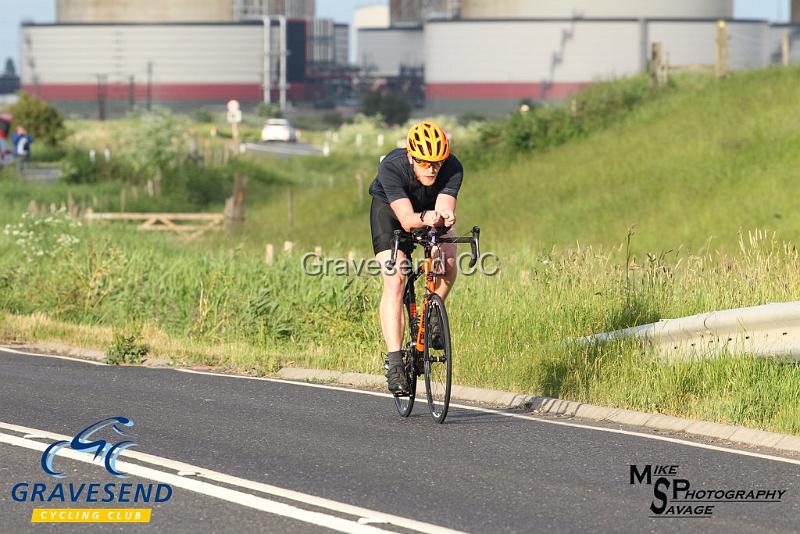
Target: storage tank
<point x="82" y="11"/>
<point x="481" y="9"/>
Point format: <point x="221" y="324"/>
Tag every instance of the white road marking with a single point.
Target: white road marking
<point x="524" y="417"/>
<point x="184" y="469"/>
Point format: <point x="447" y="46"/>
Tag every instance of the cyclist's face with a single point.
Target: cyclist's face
<point x="425" y="171"/>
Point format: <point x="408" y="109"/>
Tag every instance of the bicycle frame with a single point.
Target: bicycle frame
<point x="409" y="299"/>
<point x="433" y="239"/>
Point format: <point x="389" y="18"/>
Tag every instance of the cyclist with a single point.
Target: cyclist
<point x="415" y="187"/>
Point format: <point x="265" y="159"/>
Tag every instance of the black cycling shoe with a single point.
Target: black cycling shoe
<point x="397" y="381"/>
<point x="437" y="343"/>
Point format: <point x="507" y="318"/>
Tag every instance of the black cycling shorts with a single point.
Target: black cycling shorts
<point x="383" y="222"/>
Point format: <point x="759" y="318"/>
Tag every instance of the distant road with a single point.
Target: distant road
<point x="261" y="454"/>
<point x="283" y="150"/>
<point x="43" y="174"/>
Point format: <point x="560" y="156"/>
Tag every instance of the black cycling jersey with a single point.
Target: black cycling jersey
<point x="396" y="180"/>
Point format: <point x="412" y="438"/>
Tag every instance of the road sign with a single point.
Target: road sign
<point x="234" y="116"/>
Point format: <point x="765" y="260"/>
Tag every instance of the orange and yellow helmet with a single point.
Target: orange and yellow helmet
<point x="426" y="141"/>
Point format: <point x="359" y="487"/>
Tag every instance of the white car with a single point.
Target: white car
<point x="278" y="130"/>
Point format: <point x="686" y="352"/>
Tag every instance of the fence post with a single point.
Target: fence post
<point x="288" y="246"/>
<point x="785" y="49"/>
<point x="360" y="184"/>
<point x="122" y="200"/>
<point x="722" y="49"/>
<point x="318" y="251"/>
<point x="269" y="254"/>
<point x="33" y="207"/>
<point x="72" y="208"/>
<point x="234" y="205"/>
<point x="157" y="183"/>
<point x="659" y="69"/>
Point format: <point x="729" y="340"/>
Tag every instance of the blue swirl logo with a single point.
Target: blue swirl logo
<point x="101" y="448"/>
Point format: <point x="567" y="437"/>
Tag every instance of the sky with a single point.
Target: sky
<point x="13" y="12"/>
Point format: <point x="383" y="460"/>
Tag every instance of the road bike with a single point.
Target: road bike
<point x="419" y="355"/>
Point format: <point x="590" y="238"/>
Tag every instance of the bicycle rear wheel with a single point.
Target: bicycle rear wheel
<point x="438" y="362"/>
<point x="405" y="404"/>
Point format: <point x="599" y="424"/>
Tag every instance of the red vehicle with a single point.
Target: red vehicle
<point x="6" y="151"/>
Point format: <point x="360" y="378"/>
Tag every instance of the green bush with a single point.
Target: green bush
<point x="48" y="154"/>
<point x="126" y="348"/>
<point x="43" y="121"/>
<point x="547" y="126"/>
<point x="78" y="168"/>
<point x="202" y="115"/>
<point x="156" y="141"/>
<point x="394" y="108"/>
<point x="268" y="111"/>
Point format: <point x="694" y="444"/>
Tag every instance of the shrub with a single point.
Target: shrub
<point x="127" y="348"/>
<point x="203" y="115"/>
<point x="268" y="111"/>
<point x="394" y="108"/>
<point x="77" y="167"/>
<point x="43" y="121"/>
<point x="545" y="126"/>
<point x="156" y="141"/>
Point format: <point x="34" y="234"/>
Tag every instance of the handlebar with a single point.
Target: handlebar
<point x="432" y="237"/>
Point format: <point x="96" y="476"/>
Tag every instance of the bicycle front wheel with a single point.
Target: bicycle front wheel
<point x="438" y="361"/>
<point x="405" y="404"/>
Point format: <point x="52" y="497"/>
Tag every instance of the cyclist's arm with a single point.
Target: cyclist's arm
<point x="409" y="219"/>
<point x="446" y="206"/>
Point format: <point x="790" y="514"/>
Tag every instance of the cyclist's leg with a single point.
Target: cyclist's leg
<point x="383" y="223"/>
<point x="391" y="307"/>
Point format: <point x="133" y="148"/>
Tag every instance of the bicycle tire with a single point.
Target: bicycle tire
<point x="438" y="363"/>
<point x="405" y="404"/>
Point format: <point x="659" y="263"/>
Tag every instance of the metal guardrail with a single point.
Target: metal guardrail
<point x="769" y="330"/>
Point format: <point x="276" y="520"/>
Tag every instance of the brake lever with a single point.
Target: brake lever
<point x="475" y="246"/>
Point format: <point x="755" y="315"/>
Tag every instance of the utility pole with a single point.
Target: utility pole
<point x="149" y="85"/>
<point x="282" y="52"/>
<point x="722" y="49"/>
<point x="102" y="86"/>
<point x="131" y="92"/>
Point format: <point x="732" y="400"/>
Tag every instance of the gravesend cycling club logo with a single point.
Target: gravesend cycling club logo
<point x="87" y="441"/>
<point x="675" y="497"/>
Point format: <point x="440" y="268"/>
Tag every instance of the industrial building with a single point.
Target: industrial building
<point x="92" y="11"/>
<point x="485" y="57"/>
<point x="469" y="56"/>
<point x="105" y="58"/>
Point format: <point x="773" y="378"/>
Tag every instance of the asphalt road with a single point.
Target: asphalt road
<point x="482" y="471"/>
<point x="283" y="150"/>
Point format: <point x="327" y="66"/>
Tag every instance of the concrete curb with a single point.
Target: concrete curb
<point x="550" y="406"/>
<point x="504" y="399"/>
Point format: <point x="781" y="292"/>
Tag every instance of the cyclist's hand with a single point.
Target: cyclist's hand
<point x="448" y="217"/>
<point x="432" y="218"/>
